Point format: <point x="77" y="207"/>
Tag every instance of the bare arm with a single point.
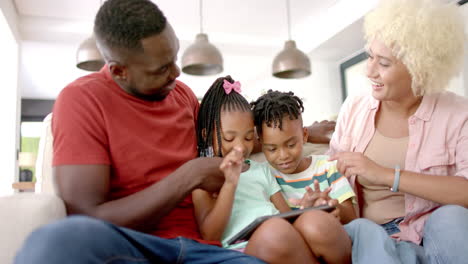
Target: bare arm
<point x="440" y="189"/>
<point x="320" y="132"/>
<point x="213" y="214"/>
<point x="278" y="200"/>
<point x="85" y="190"/>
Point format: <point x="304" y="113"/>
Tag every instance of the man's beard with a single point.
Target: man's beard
<point x="146" y="97"/>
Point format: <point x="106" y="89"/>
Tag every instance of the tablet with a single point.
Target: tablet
<point x="247" y="231"/>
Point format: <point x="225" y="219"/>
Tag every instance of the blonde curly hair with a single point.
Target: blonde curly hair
<point x="428" y="36"/>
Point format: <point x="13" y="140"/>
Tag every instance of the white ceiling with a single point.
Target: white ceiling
<point x="249" y="33"/>
<point x="260" y="25"/>
<point x="244" y="19"/>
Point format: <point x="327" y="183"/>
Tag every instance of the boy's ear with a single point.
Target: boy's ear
<point x="305" y="132"/>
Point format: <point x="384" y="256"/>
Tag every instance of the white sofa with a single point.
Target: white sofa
<point x="23" y="212"/>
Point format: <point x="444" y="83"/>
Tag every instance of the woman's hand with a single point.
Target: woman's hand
<point x="355" y="163"/>
<point x="231" y="165"/>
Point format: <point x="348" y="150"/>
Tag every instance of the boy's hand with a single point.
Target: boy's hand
<point x="231" y="165"/>
<point x="312" y="197"/>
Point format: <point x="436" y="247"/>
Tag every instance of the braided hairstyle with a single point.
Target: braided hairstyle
<point x="215" y="101"/>
<point x="271" y="107"/>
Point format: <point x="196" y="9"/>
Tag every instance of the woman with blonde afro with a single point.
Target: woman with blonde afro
<point x="404" y="146"/>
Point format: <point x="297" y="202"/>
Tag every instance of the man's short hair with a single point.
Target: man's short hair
<point x="124" y="23"/>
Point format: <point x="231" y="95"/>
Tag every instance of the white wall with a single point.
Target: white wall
<point x="45" y="69"/>
<point x="464" y="74"/>
<point x="320" y="35"/>
<point x="9" y="101"/>
<point x="459" y="84"/>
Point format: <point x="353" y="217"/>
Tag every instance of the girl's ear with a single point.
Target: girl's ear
<point x="203" y="133"/>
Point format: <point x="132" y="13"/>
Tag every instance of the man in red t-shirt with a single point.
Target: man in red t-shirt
<point x="125" y="153"/>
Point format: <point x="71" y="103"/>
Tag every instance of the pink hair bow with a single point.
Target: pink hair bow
<point x="228" y="87"/>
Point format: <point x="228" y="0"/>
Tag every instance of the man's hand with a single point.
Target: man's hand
<point x="206" y="173"/>
<point x="320" y="133"/>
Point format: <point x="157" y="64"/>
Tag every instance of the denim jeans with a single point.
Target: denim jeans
<point x="392" y="226"/>
<point x="444" y="238"/>
<point x="81" y="239"/>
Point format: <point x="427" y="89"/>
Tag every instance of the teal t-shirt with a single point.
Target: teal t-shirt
<point x="252" y="200"/>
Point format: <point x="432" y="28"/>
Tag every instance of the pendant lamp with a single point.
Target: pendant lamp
<point x="88" y="57"/>
<point x="202" y="57"/>
<point x="291" y="63"/>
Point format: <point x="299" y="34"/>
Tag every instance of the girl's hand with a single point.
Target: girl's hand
<point x="355" y="163"/>
<point x="231" y="165"/>
<point x="312" y="197"/>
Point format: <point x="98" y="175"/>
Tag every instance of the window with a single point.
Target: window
<point x="33" y="111"/>
<point x="353" y="79"/>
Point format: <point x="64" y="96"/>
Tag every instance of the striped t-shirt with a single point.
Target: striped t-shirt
<point x="293" y="185"/>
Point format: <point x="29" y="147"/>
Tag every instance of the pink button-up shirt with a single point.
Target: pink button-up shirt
<point x="438" y="145"/>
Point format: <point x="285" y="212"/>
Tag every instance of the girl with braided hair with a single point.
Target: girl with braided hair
<point x="226" y="129"/>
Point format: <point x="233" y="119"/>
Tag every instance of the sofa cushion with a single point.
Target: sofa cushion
<point x="21" y="214"/>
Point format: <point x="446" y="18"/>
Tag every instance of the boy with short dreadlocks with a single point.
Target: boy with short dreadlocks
<point x="226" y="129"/>
<point x="305" y="181"/>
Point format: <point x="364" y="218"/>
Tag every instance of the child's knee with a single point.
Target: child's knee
<point x="273" y="231"/>
<point x="319" y="226"/>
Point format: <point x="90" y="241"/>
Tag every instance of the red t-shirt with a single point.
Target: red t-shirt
<point x="96" y="122"/>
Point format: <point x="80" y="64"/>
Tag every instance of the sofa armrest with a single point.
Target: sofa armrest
<point x="21" y="214"/>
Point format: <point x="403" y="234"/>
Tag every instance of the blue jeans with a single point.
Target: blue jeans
<point x="81" y="239"/>
<point x="444" y="238"/>
<point x="392" y="226"/>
